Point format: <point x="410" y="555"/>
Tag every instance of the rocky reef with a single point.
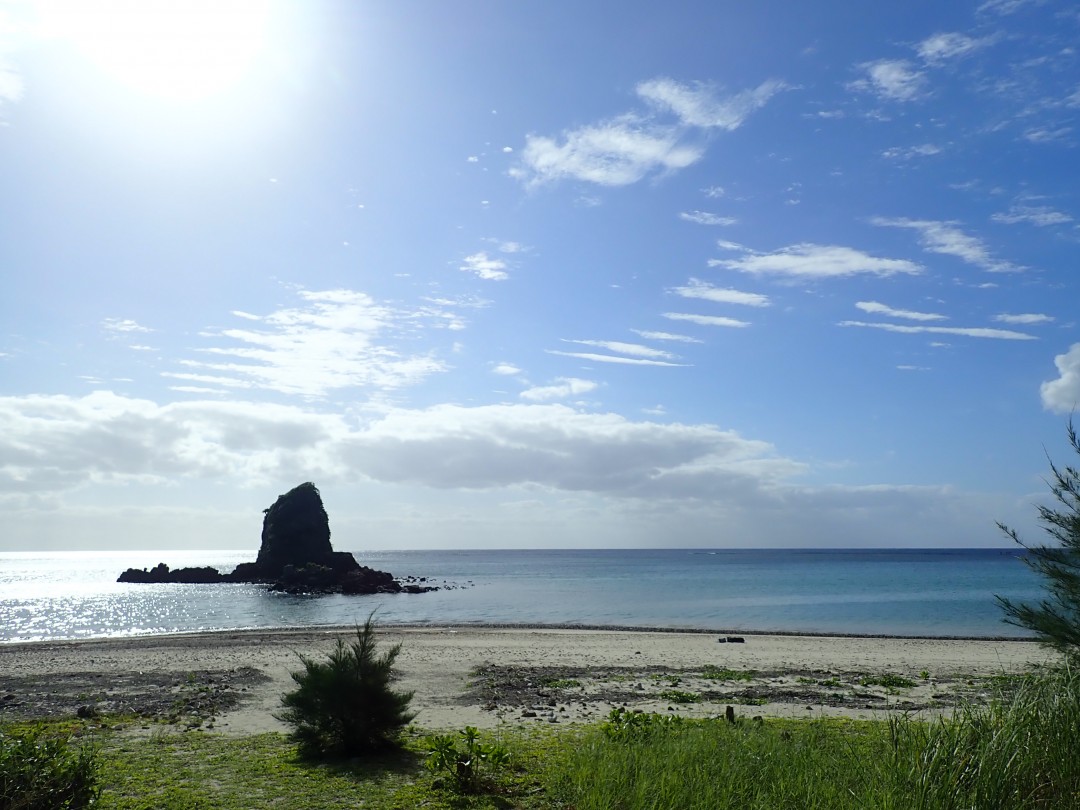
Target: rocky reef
<point x="295" y="556"/>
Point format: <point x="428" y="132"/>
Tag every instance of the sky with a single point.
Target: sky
<point x="534" y="274"/>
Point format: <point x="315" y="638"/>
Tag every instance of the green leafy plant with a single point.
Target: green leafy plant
<point x="624" y="725"/>
<point x="345" y="706"/>
<point x="469" y="764"/>
<point x="680" y="696"/>
<point x="888" y="680"/>
<point x="39" y="771"/>
<point x="717" y="674"/>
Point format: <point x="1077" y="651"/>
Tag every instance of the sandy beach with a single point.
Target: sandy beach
<point x="486" y="676"/>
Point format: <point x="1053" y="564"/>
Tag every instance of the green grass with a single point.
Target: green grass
<point x="712" y="765"/>
<point x="888" y="680"/>
<point x="1018" y="753"/>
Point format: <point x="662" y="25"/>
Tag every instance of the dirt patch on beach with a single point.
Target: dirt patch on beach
<point x="555" y="693"/>
<point x="178" y="697"/>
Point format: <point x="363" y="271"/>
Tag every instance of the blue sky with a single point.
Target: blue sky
<point x="532" y="274"/>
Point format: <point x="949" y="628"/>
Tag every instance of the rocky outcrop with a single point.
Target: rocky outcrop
<point x="295" y="556"/>
<point x="162" y="573"/>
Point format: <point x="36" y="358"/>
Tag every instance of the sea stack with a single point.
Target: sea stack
<point x="295" y="556"/>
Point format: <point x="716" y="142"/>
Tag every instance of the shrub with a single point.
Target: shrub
<point x="39" y="772"/>
<point x="1056" y="619"/>
<point x="344" y="706"/>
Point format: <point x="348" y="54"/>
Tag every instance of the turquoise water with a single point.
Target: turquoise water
<point x="69" y="595"/>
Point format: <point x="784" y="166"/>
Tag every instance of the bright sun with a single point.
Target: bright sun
<point x="173" y="49"/>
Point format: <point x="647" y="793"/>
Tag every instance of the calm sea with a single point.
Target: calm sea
<point x="70" y="595"/>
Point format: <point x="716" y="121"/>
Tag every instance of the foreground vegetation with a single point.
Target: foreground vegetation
<point x="1018" y="752"/>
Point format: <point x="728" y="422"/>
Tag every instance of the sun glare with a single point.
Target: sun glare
<point x="171" y="49"/>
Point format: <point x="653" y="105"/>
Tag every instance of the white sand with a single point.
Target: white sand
<point x="437" y="664"/>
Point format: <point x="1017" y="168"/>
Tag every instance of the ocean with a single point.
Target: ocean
<point x="937" y="593"/>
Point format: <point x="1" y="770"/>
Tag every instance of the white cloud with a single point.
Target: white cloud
<point x="720" y="295"/>
<point x="123" y="325"/>
<point x="610" y="358"/>
<point x="335" y="340"/>
<point x="940" y="47"/>
<point x="619" y="347"/>
<point x="564" y="387"/>
<point x="705" y="320"/>
<point x="613" y="153"/>
<point x="696" y="105"/>
<point x="817" y="261"/>
<point x="875" y="308"/>
<point x="975" y="332"/>
<point x="485" y="267"/>
<point x="1026" y="318"/>
<point x="705" y="218"/>
<point x="1063" y="394"/>
<point x="909" y="152"/>
<point x="1040" y="215"/>
<point x="506" y="369"/>
<point x="891" y="79"/>
<point x="716" y="192"/>
<point x="666" y="336"/>
<point x="725" y="244"/>
<point x="11" y="85"/>
<point x="945" y="238"/>
<point x="1046" y="134"/>
<point x="1004" y="7"/>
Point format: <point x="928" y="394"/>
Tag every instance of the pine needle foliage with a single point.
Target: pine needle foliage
<point x="345" y="706"/>
<point x="1055" y="620"/>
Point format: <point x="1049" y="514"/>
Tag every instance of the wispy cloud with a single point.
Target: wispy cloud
<point x="336" y="339"/>
<point x="619" y="347"/>
<point x="564" y="387"/>
<point x="909" y="152"/>
<point x="505" y="369"/>
<point x="944" y="46"/>
<point x="705" y="320"/>
<point x="629" y="147"/>
<point x="874" y="308"/>
<point x="484" y="266"/>
<point x="1040" y="215"/>
<point x="1004" y="7"/>
<point x="817" y="261"/>
<point x="1062" y="395"/>
<point x="891" y="79"/>
<point x="947" y="239"/>
<point x="123" y="326"/>
<point x="698" y="105"/>
<point x="1046" y="134"/>
<point x="705" y="218"/>
<point x="975" y="332"/>
<point x="707" y="292"/>
<point x="611" y="358"/>
<point x="666" y="336"/>
<point x="1020" y="319"/>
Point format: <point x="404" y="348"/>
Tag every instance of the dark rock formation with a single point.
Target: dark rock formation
<point x="162" y="573"/>
<point x="295" y="556"/>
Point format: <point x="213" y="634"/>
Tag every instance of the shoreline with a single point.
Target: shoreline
<point x="490" y="676"/>
<point x="529" y="626"/>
